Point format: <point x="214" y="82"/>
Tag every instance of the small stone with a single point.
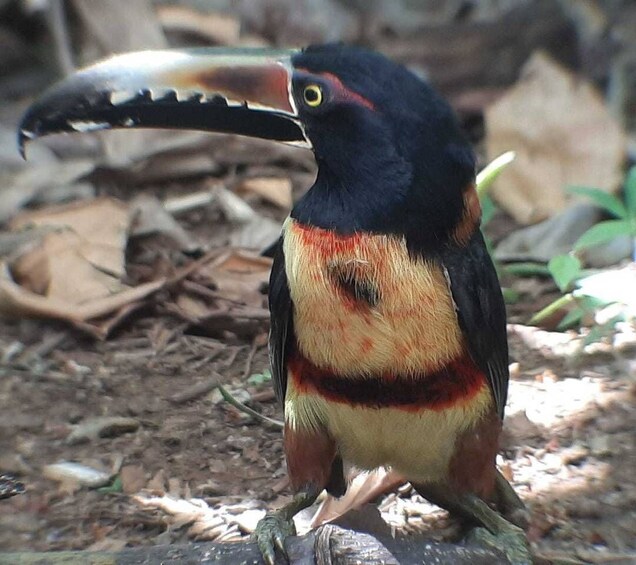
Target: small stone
<point x="69" y="472"/>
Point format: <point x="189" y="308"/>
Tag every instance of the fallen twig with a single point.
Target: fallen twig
<point x="248" y="362"/>
<point x="199" y="389"/>
<point x="246" y="409"/>
<point x="205" y="292"/>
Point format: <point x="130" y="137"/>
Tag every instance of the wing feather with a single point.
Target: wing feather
<point x="481" y="311"/>
<point x="280" y="307"/>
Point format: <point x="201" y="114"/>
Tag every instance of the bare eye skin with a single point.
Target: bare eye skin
<point x="312" y="95"/>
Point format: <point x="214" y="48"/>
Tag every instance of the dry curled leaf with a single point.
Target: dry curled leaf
<point x="562" y="133"/>
<point x="100" y="226"/>
<point x="73" y="272"/>
<point x="239" y="276"/>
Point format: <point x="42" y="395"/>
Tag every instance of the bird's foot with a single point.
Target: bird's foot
<point x="270" y="534"/>
<point x="511" y="541"/>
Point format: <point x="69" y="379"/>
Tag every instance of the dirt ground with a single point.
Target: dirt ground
<point x="569" y="443"/>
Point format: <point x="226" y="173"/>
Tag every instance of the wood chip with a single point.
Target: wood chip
<point x="94" y="428"/>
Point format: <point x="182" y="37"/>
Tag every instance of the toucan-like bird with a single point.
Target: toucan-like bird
<point x="388" y="329"/>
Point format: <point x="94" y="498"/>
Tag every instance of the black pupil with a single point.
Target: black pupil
<point x="311" y="95"/>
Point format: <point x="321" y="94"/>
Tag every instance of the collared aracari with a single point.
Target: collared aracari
<point x="388" y="330"/>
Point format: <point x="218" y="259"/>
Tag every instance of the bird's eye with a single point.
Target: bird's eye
<point x="312" y="94"/>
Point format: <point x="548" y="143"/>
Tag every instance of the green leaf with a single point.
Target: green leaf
<point x="572" y="318"/>
<point x="114" y="487"/>
<point x="260" y="378"/>
<point x="565" y="269"/>
<point x="602" y="233"/>
<point x="550" y="309"/>
<point x="510" y="295"/>
<point x="527" y="269"/>
<point x="602" y="199"/>
<point x="598" y="333"/>
<point x="591" y="304"/>
<point x="630" y="191"/>
<point x="488" y="210"/>
<point x="491" y="171"/>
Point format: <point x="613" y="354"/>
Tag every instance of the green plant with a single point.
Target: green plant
<point x="582" y="295"/>
<point x="484" y="180"/>
<point x="624" y="215"/>
<point x="260" y="378"/>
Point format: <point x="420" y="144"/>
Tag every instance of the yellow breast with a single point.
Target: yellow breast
<point x="404" y="322"/>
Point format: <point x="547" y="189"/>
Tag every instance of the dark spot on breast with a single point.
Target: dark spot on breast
<point x="355" y="285"/>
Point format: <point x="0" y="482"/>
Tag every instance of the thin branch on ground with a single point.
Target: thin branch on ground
<point x="246" y="409"/>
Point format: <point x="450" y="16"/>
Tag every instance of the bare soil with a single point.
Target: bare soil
<point x="569" y="443"/>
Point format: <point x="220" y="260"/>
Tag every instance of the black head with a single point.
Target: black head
<point x="390" y="152"/>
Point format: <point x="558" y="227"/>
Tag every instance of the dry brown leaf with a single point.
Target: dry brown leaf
<point x="158" y="482"/>
<point x="133" y="478"/>
<point x="59" y="269"/>
<point x="191" y="307"/>
<point x="20" y="187"/>
<point x="119" y="27"/>
<point x="238" y="275"/>
<point x="161" y="165"/>
<point x="100" y="224"/>
<point x="277" y="190"/>
<point x="73" y="273"/>
<point x="20" y="302"/>
<point x="563" y="135"/>
<point x="217" y="28"/>
<point x="149" y="216"/>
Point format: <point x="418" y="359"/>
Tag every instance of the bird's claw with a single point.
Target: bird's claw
<point x="512" y="543"/>
<point x="270" y="533"/>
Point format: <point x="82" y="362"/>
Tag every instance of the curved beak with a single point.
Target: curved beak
<point x="242" y="91"/>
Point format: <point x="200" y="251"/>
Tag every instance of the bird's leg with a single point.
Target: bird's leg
<point x="494" y="531"/>
<point x="274" y="527"/>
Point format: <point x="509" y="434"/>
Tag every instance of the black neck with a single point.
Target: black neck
<point x="371" y="179"/>
<point x="393" y="202"/>
<point x="347" y="203"/>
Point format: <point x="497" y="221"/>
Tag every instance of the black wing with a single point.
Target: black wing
<point x="280" y="308"/>
<point x="481" y="311"/>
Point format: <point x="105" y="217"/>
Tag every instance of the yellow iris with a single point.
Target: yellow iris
<point x="312" y="95"/>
